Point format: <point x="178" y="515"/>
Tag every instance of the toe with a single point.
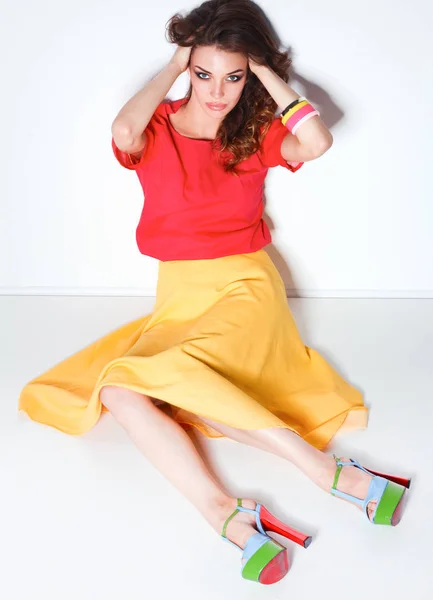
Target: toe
<point x="370" y="509"/>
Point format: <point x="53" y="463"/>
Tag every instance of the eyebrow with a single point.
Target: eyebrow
<point x="231" y="72"/>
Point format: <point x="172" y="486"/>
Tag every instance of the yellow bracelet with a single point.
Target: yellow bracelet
<point x="293" y="110"/>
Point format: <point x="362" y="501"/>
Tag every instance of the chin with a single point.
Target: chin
<point x="217" y="114"/>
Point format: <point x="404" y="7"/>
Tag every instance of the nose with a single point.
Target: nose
<point x="217" y="91"/>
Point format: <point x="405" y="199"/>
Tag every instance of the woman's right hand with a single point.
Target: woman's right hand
<point x="181" y="57"/>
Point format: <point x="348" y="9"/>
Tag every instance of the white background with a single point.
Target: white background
<point x="356" y="222"/>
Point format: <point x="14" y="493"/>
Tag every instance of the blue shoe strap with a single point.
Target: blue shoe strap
<point x="258" y="520"/>
<point x="255" y="542"/>
<point x="349" y="497"/>
<point x="232" y="543"/>
<point x="255" y="512"/>
<point x="375" y="492"/>
<point x="337" y="492"/>
<point x="352" y="463"/>
<point x="355" y="463"/>
<point x="239" y="508"/>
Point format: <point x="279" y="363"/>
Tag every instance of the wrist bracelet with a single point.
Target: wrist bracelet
<point x="297" y="114"/>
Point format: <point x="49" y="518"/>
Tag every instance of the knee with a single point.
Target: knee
<point x="121" y="401"/>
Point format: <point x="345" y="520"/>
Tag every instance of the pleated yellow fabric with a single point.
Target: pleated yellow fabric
<point x="221" y="343"/>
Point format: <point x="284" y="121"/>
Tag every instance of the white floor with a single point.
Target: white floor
<point x="88" y="519"/>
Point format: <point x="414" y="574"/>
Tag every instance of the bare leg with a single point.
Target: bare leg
<point x="316" y="465"/>
<point x="166" y="445"/>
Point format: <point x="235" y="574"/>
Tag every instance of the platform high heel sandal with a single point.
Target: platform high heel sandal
<point x="386" y="490"/>
<point x="265" y="560"/>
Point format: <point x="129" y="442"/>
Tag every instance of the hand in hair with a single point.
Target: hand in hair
<point x="254" y="66"/>
<point x="181" y="57"/>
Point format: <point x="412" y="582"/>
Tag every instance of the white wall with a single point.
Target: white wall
<point x="357" y="222"/>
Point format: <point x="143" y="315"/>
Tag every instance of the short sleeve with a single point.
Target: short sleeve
<point x="270" y="149"/>
<point x="133" y="163"/>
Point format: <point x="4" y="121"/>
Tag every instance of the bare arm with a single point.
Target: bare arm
<point x="129" y="125"/>
<point x="312" y="139"/>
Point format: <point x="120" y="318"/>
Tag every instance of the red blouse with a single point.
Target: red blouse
<point x="193" y="209"/>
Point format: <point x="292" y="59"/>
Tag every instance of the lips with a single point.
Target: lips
<point x="216" y="105"/>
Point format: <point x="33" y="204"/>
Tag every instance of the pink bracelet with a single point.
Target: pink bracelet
<point x="300" y="117"/>
<point x="314" y="113"/>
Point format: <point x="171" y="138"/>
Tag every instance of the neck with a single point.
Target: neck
<point x="198" y="120"/>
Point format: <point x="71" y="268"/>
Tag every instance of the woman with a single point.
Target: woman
<point x="221" y="350"/>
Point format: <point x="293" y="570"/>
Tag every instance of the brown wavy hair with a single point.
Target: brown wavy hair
<point x="237" y="26"/>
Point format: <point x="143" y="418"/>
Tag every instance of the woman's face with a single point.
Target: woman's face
<point x="218" y="78"/>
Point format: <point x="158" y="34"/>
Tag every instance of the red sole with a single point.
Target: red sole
<point x="276" y="569"/>
<point x="398" y="513"/>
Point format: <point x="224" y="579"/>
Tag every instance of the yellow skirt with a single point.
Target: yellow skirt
<point x="221" y="343"/>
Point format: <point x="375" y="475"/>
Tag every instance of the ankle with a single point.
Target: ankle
<point x="218" y="510"/>
<point x="326" y="473"/>
<point x="356" y="483"/>
<point x="238" y="527"/>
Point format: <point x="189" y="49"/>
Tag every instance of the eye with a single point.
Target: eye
<point x="205" y="76"/>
